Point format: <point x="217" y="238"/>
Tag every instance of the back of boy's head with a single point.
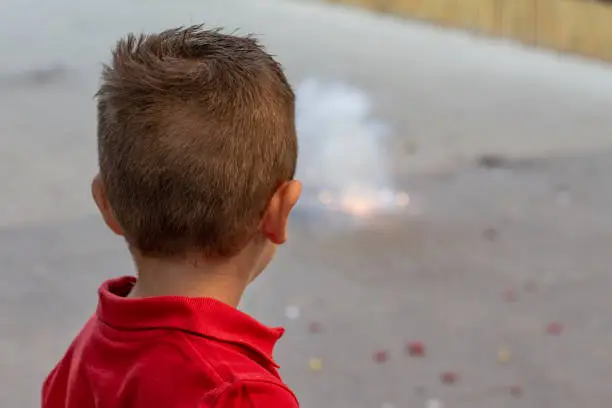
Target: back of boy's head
<point x="195" y="133"/>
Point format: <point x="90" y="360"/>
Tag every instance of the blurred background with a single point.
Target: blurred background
<point x="452" y="246"/>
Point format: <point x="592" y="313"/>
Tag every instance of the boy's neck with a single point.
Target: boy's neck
<point x="220" y="281"/>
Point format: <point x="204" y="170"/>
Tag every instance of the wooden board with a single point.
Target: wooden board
<point x="576" y="26"/>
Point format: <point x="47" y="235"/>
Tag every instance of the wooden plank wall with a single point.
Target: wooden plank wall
<point x="574" y="26"/>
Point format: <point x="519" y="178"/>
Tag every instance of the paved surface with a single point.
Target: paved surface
<point x="417" y="105"/>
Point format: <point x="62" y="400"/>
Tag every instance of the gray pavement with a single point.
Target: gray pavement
<point x="419" y="106"/>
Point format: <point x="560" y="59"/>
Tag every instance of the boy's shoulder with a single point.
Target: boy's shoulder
<point x="169" y="368"/>
<point x="207" y="372"/>
<point x="168" y="351"/>
<point x="226" y="372"/>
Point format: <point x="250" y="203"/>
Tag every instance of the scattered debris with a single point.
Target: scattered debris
<point x="47" y="74"/>
<point x="387" y="405"/>
<point x="433" y="403"/>
<point x="36" y="76"/>
<point x="449" y="377"/>
<point x="503" y="355"/>
<point x="292" y="312"/>
<point x="516" y="391"/>
<point x="490" y="234"/>
<point x="492" y="161"/>
<point x="315" y="327"/>
<point x="381" y="357"/>
<point x="415" y="349"/>
<point x="554" y="328"/>
<point x="315" y="364"/>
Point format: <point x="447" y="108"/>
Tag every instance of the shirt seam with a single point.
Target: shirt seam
<point x="202" y="359"/>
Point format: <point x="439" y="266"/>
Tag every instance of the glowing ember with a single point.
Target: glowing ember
<point x="363" y="203"/>
<point x="357" y="206"/>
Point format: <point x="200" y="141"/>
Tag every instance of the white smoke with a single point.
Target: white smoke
<point x="342" y="161"/>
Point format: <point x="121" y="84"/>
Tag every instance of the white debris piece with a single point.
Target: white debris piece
<point x="434" y="403"/>
<point x="292" y="312"/>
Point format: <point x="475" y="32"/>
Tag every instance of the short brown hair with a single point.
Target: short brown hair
<point x="196" y="130"/>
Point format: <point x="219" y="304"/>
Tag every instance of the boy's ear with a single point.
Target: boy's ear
<point x="276" y="219"/>
<point x="99" y="195"/>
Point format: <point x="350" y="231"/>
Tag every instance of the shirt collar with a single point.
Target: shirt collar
<point x="202" y="316"/>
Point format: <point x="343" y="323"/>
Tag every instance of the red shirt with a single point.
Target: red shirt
<point x="167" y="352"/>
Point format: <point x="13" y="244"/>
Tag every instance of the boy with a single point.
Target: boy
<point x="197" y="152"/>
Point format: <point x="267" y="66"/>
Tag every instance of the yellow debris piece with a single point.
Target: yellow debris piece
<point x="315" y="364"/>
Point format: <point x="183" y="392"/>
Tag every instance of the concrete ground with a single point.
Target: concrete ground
<point x="489" y="253"/>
